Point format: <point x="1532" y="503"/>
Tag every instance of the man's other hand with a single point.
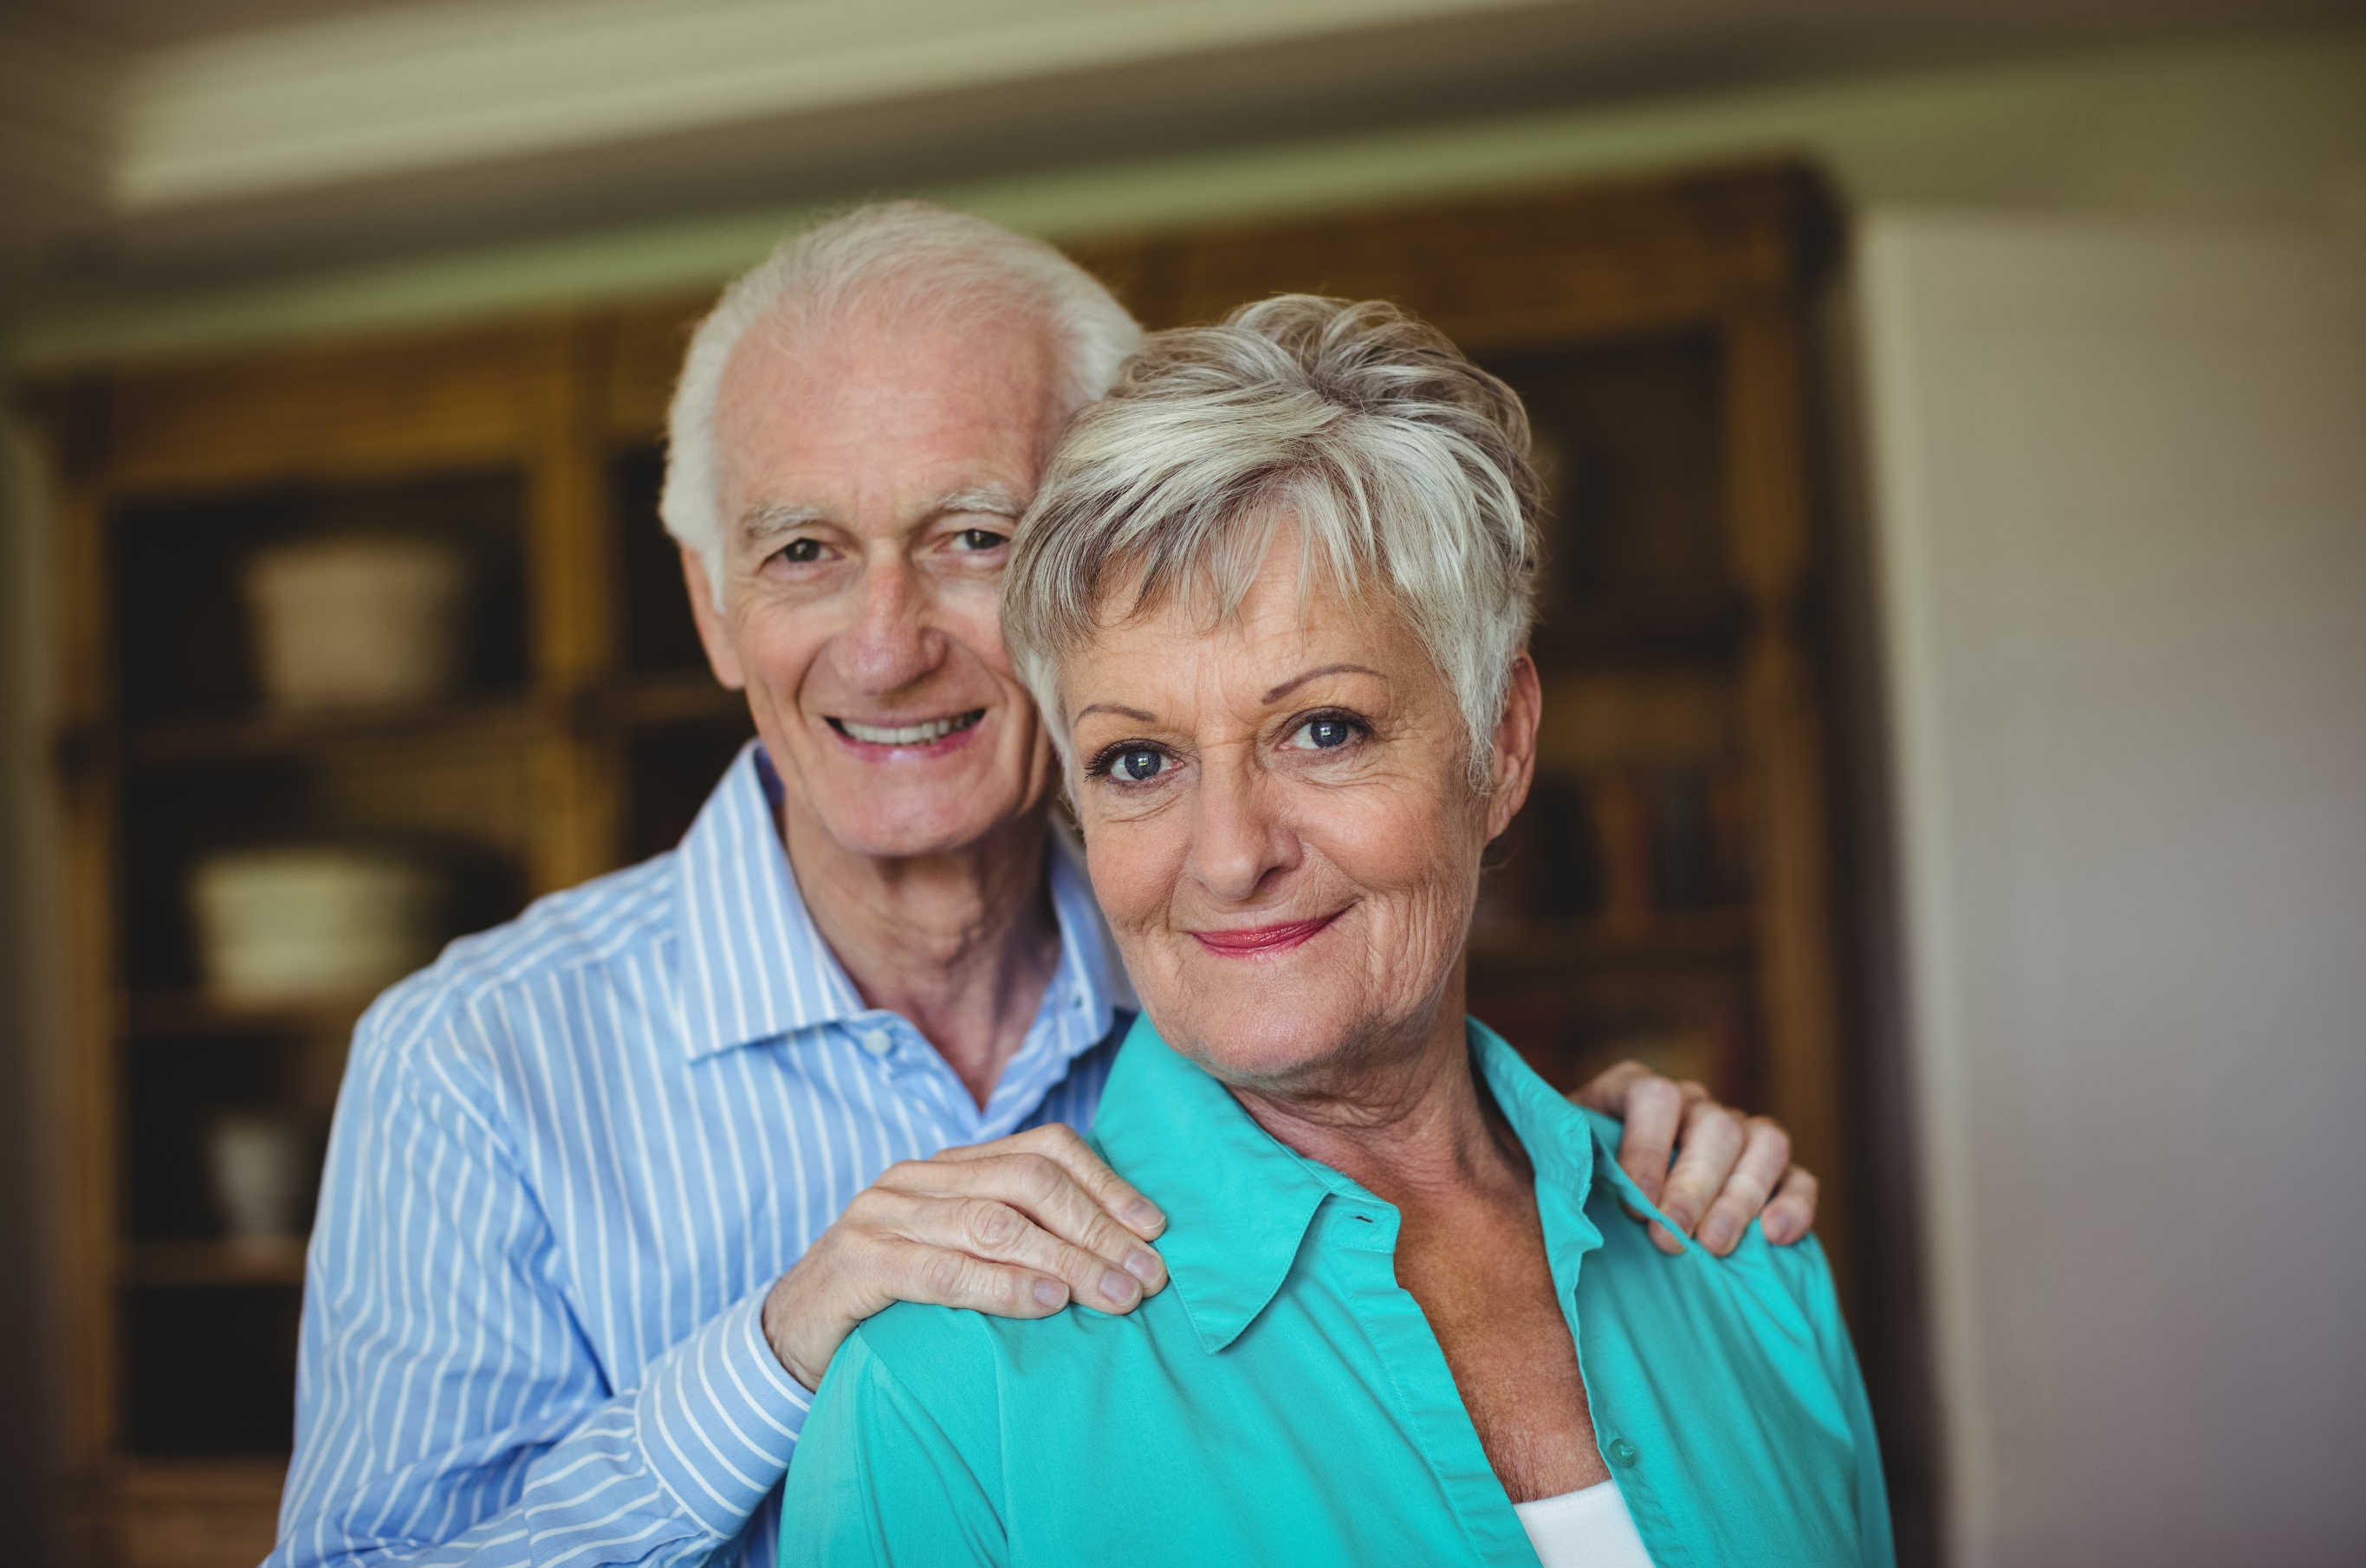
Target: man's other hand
<point x="1710" y="1169"/>
<point x="1018" y="1227"/>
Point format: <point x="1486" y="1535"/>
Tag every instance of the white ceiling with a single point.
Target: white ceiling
<point x="189" y="137"/>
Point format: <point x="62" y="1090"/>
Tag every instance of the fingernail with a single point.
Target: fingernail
<point x="1665" y="1239"/>
<point x="1776" y="1231"/>
<point x="1119" y="1289"/>
<point x="1050" y="1293"/>
<point x="1143" y="1214"/>
<point x="1142" y="1264"/>
<point x="1717" y="1235"/>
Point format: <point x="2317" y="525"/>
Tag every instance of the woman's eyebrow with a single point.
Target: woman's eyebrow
<point x="1295" y="681"/>
<point x="1118" y="708"/>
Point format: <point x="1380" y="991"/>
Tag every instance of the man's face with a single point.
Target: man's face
<point x="871" y="476"/>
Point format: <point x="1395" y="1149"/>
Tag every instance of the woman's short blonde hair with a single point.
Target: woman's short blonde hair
<point x="1402" y="465"/>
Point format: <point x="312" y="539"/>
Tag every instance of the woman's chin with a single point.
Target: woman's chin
<point x="1265" y="1048"/>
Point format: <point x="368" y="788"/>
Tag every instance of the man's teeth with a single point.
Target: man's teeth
<point x="911" y="734"/>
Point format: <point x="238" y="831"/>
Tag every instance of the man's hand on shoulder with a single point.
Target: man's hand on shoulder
<point x="1710" y="1169"/>
<point x="1018" y="1227"/>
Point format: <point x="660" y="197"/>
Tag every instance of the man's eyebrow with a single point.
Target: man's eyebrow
<point x="991" y="500"/>
<point x="1118" y="708"/>
<point x="1295" y="681"/>
<point x="761" y="523"/>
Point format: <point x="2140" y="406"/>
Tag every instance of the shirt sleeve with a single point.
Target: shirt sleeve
<point x="883" y="1477"/>
<point x="449" y="1409"/>
<point x="1812" y="1280"/>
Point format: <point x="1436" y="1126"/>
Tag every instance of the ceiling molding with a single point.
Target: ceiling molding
<point x="385" y="92"/>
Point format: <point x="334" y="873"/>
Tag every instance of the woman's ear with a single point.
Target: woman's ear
<point x="1514" y="766"/>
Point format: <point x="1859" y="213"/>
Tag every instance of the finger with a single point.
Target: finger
<point x="1116" y="1195"/>
<point x="1712" y="1142"/>
<point x="1765" y="1156"/>
<point x="914" y="1271"/>
<point x="1654" y="1112"/>
<point x="1606" y="1090"/>
<point x="1793" y="1213"/>
<point x="1045" y="1192"/>
<point x="993" y="1232"/>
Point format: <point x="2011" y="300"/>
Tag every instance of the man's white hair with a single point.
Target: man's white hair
<point x="1398" y="462"/>
<point x="911" y="258"/>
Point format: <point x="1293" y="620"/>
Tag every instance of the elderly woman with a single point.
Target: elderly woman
<point x="1273" y="597"/>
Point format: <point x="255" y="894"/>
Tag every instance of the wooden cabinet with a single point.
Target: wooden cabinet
<point x="1664" y="895"/>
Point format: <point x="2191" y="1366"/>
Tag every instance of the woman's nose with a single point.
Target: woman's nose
<point x="1237" y="842"/>
<point x="889" y="644"/>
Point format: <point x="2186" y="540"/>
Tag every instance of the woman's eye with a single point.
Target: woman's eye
<point x="1137" y="764"/>
<point x="981" y="539"/>
<point x="1324" y="734"/>
<point x="801" y="552"/>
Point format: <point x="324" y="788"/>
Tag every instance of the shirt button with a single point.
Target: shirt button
<point x="876" y="1042"/>
<point x="1622" y="1452"/>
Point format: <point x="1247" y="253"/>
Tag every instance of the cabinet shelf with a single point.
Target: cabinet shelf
<point x="689" y="696"/>
<point x="179" y="1014"/>
<point x="257" y="1262"/>
<point x="264" y="735"/>
<point x="1718" y="938"/>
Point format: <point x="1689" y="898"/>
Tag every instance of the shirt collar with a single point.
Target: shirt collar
<point x="1239" y="1203"/>
<point x="752" y="965"/>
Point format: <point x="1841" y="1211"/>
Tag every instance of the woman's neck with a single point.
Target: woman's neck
<point x="1407" y="1119"/>
<point x="963" y="944"/>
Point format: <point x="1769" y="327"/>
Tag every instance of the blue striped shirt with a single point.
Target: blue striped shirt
<point x="569" y="1161"/>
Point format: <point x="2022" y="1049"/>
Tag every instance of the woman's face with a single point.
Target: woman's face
<point x="1280" y="823"/>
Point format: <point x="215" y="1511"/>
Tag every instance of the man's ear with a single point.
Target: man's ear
<point x="1514" y="767"/>
<point x="712" y="636"/>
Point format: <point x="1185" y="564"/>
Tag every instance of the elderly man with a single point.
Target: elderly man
<point x="609" y="1185"/>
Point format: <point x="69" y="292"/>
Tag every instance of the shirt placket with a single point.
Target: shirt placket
<point x="1571" y="1236"/>
<point x="1359" y="1237"/>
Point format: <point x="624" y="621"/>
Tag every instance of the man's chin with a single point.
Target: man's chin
<point x="922" y="829"/>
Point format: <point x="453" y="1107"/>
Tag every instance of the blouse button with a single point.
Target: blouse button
<point x="1622" y="1452"/>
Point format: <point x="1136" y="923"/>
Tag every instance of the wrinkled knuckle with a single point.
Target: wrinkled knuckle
<point x="1771" y="1136"/>
<point x="942" y="1276"/>
<point x="990" y="1226"/>
<point x="1037" y="1177"/>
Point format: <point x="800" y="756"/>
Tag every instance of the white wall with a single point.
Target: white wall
<point x="2119" y="502"/>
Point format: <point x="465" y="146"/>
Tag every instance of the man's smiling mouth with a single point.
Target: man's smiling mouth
<point x="906" y="734"/>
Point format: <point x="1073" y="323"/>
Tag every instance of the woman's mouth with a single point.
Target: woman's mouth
<point x="1250" y="941"/>
<point x="925" y="732"/>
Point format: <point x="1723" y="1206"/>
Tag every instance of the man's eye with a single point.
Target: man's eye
<point x="1324" y="734"/>
<point x="801" y="552"/>
<point x="981" y="539"/>
<point x="1137" y="764"/>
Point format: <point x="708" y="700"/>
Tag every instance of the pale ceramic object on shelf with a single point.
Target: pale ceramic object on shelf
<point x="261" y="1167"/>
<point x="358" y="620"/>
<point x="285" y="924"/>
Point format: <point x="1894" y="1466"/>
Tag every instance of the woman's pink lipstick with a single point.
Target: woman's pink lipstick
<point x="1252" y="941"/>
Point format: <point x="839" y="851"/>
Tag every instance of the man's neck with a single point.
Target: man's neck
<point x="962" y="944"/>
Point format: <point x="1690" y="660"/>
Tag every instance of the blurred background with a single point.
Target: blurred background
<point x="1955" y="639"/>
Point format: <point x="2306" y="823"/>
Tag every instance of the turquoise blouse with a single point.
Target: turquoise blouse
<point x="1283" y="1401"/>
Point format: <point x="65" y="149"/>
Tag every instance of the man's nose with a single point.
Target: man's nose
<point x="890" y="643"/>
<point x="1238" y="840"/>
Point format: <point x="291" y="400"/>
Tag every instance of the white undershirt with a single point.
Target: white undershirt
<point x="1587" y="1528"/>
